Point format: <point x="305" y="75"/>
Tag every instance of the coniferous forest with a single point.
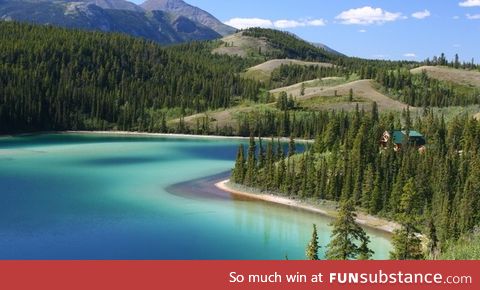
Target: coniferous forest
<point x="435" y="192"/>
<point x="58" y="79"/>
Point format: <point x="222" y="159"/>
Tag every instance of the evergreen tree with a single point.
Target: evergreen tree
<point x="432" y="239"/>
<point x="291" y="146"/>
<point x="364" y="252"/>
<point x="345" y="236"/>
<point x="238" y="174"/>
<point x="250" y="175"/>
<point x="313" y="247"/>
<point x="406" y="244"/>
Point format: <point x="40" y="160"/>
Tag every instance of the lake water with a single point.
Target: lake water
<point x="111" y="197"/>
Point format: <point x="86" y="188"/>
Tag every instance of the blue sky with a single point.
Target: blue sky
<point x="392" y="29"/>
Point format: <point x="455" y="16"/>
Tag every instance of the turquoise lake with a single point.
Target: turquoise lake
<point x="112" y="197"/>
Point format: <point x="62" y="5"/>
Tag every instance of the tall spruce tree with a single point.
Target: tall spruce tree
<point x="292" y="149"/>
<point x="238" y="174"/>
<point x="345" y="236"/>
<point x="364" y="252"/>
<point x="313" y="246"/>
<point x="406" y="244"/>
<point x="250" y="175"/>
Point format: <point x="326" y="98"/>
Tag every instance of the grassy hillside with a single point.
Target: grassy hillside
<point x="244" y="46"/>
<point x="272" y="44"/>
<point x="364" y="94"/>
<point x="263" y="71"/>
<point x="459" y="76"/>
<point x="290" y="46"/>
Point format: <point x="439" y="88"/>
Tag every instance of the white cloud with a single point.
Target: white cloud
<point x="242" y="23"/>
<point x="368" y="15"/>
<point x="316" y="22"/>
<point x="362" y="30"/>
<point x="410" y="54"/>
<point x="456" y="17"/>
<point x="287" y="23"/>
<point x="470" y="3"/>
<point x="473" y="17"/>
<point x="421" y="14"/>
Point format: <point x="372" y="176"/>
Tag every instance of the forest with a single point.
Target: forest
<point x="346" y="163"/>
<point x="57" y="79"/>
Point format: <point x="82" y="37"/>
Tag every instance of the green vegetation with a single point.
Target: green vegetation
<point x="287" y="75"/>
<point x="345" y="236"/>
<point x="467" y="248"/>
<point x="406" y="242"/>
<point x="346" y="163"/>
<point x="313" y="247"/>
<point x="290" y="46"/>
<point x="57" y="79"/>
<point x="419" y="90"/>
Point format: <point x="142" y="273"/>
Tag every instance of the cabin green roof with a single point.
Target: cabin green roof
<point x="399" y="136"/>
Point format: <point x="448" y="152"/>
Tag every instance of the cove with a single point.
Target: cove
<point x="85" y="196"/>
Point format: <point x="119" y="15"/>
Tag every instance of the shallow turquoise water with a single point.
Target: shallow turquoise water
<point x="105" y="197"/>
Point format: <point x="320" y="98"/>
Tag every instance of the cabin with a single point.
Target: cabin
<point x="399" y="138"/>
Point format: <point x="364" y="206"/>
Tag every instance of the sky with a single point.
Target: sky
<point x="393" y="29"/>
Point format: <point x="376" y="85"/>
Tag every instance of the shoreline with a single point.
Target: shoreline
<point x="362" y="219"/>
<point x="160" y="135"/>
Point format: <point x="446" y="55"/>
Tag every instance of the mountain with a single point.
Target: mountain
<point x="327" y="48"/>
<point x="264" y="43"/>
<point x="180" y="8"/>
<point x="108" y="16"/>
<point x="115" y="4"/>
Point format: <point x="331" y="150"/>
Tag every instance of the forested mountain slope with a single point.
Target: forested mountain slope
<point x="273" y="44"/>
<point x="54" y="79"/>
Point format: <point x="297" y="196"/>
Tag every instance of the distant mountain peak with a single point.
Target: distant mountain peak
<point x="181" y="8"/>
<point x="116" y="4"/>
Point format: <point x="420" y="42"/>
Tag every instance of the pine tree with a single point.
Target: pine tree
<point x="238" y="174"/>
<point x="250" y="175"/>
<point x="280" y="174"/>
<point x="406" y="244"/>
<point x="291" y="146"/>
<point x="269" y="170"/>
<point x="364" y="252"/>
<point x="432" y="239"/>
<point x="345" y="236"/>
<point x="313" y="247"/>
